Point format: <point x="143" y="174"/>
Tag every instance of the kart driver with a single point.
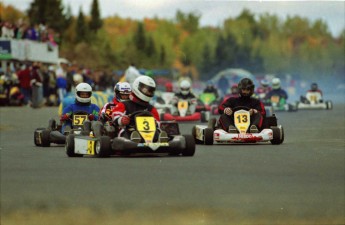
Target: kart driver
<point x="245" y="99"/>
<point x="143" y="89"/>
<point x="122" y="90"/>
<point x="184" y="94"/>
<point x="210" y="88"/>
<point x="313" y="88"/>
<point x="83" y="93"/>
<point x="277" y="90"/>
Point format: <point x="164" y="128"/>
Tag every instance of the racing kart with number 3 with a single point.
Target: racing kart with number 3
<point x="145" y="139"/>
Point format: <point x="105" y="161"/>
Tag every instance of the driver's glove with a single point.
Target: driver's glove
<point x="193" y="101"/>
<point x="228" y="111"/>
<point x="91" y="117"/>
<point x="64" y="117"/>
<point x="105" y="117"/>
<point x="124" y="120"/>
<point x="251" y="111"/>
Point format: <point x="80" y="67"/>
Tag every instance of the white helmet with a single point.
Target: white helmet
<point x="122" y="88"/>
<point x="81" y="89"/>
<point x="144" y="88"/>
<point x="275" y="83"/>
<point x="185" y="87"/>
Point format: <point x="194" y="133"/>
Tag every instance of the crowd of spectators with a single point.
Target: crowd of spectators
<point x="42" y="84"/>
<point x="34" y="32"/>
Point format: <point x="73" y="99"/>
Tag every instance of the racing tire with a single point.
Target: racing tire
<point x="103" y="147"/>
<point x="208" y="136"/>
<point x="203" y="117"/>
<point x="70" y="146"/>
<point x="161" y="116"/>
<point x="278" y="135"/>
<point x="212" y="123"/>
<point x="190" y="145"/>
<point x="329" y="105"/>
<point x="45" y="138"/>
<point x="36" y="135"/>
<point x="197" y="141"/>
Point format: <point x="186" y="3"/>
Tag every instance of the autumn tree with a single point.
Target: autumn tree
<point x="96" y="21"/>
<point x="49" y="13"/>
<point x="81" y="28"/>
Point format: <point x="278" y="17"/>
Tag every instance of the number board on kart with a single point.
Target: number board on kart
<point x="146" y="126"/>
<point x="78" y="120"/>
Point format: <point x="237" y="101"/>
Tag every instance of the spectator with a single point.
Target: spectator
<point x="24" y="82"/>
<point x="7" y="30"/>
<point x="61" y="80"/>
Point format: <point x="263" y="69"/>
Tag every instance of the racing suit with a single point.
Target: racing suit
<point x="256" y="118"/>
<point x="90" y="108"/>
<point x="190" y="97"/>
<point x="212" y="90"/>
<point x="106" y="110"/>
<point x="279" y="92"/>
<point x="128" y="108"/>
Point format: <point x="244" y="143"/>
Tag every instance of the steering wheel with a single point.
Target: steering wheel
<point x="141" y="113"/>
<point x="237" y="108"/>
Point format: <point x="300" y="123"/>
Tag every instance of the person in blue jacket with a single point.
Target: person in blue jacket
<point x="83" y="93"/>
<point x="277" y="90"/>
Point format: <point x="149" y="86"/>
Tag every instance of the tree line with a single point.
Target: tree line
<point x="260" y="44"/>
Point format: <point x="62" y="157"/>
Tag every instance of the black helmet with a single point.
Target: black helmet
<point x="314" y="87"/>
<point x="248" y="84"/>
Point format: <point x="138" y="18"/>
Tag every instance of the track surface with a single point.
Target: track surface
<point x="298" y="182"/>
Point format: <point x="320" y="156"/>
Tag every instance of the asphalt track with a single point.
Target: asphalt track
<point x="298" y="182"/>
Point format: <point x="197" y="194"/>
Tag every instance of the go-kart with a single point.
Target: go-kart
<point x="280" y="104"/>
<point x="185" y="113"/>
<point x="162" y="103"/>
<point x="214" y="134"/>
<point x="140" y="137"/>
<point x="313" y="100"/>
<point x="52" y="134"/>
<point x="206" y="102"/>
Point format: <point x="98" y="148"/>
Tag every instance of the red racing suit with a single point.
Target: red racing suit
<point x="106" y="110"/>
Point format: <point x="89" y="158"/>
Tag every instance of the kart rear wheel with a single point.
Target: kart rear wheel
<point x="190" y="146"/>
<point x="36" y="135"/>
<point x="208" y="136"/>
<point x="212" y="123"/>
<point x="45" y="138"/>
<point x="70" y="146"/>
<point x="197" y="141"/>
<point x="329" y="105"/>
<point x="103" y="147"/>
<point x="204" y="116"/>
<point x="278" y="135"/>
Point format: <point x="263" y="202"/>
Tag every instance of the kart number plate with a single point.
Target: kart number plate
<point x="182" y="105"/>
<point x="242" y="120"/>
<point x="78" y="120"/>
<point x="275" y="99"/>
<point x="146" y="126"/>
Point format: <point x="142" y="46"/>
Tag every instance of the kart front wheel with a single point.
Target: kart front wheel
<point x="103" y="147"/>
<point x="70" y="146"/>
<point x="190" y="146"/>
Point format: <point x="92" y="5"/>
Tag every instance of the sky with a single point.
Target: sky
<point x="213" y="12"/>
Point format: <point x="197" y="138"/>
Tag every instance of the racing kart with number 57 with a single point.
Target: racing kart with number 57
<point x="43" y="137"/>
